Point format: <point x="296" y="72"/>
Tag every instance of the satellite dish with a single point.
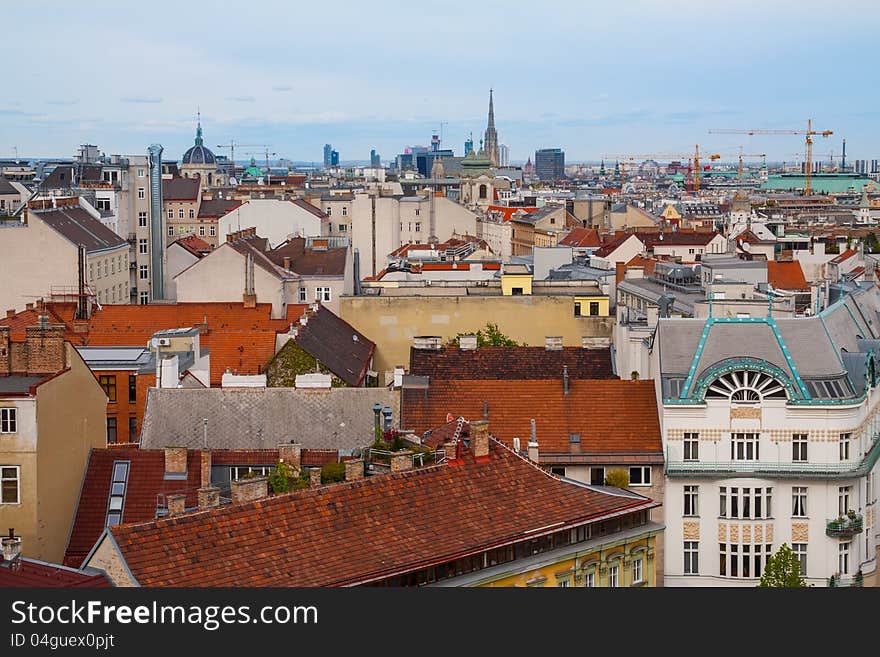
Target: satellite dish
<point x="745" y="246"/>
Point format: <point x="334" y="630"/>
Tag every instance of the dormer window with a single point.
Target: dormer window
<point x="746" y="387"/>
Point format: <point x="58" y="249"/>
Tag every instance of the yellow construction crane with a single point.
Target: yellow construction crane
<point x="692" y="158"/>
<point x="231" y="146"/>
<point x="809" y="132"/>
<point x="741" y="155"/>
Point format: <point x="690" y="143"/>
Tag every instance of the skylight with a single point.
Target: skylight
<point x="118" y="484"/>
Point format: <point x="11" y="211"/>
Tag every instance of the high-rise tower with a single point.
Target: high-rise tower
<point x="491" y="141"/>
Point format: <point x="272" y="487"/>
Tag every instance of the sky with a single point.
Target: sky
<point x="601" y="80"/>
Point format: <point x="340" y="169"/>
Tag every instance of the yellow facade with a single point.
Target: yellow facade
<point x="585" y="305"/>
<point x="522" y="282"/>
<point x="592" y="566"/>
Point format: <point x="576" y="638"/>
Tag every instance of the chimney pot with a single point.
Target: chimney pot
<point x="479" y="432"/>
<point x="451" y="449"/>
<point x="29" y="306"/>
<point x="250" y="489"/>
<point x="354" y="470"/>
<point x="176" y="504"/>
<point x="205" y="462"/>
<point x="209" y="497"/>
<point x="175" y="463"/>
<point x="468" y="343"/>
<point x="10" y="313"/>
<point x="286" y="263"/>
<point x="291" y="454"/>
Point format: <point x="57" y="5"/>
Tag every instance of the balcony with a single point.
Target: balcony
<point x="845" y="526"/>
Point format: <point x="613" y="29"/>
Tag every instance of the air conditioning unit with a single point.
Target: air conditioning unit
<point x="163" y="342"/>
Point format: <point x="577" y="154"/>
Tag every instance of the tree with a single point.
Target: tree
<point x="618" y="478"/>
<point x="489" y="336"/>
<point x="279" y="478"/>
<point x="783" y="570"/>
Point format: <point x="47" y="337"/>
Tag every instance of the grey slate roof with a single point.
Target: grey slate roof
<point x="79" y="227"/>
<point x="263" y="418"/>
<point x="16" y="384"/>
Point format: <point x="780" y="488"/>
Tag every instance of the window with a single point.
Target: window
<point x="140" y="173"/>
<point x="844" y="446"/>
<point x="322" y="294"/>
<point x="213" y="231"/>
<point x="8" y="422"/>
<point x="170" y="231"/>
<point x="111" y="430"/>
<point x="744" y="447"/>
<point x="108" y="382"/>
<point x="516" y="291"/>
<point x="170" y="213"/>
<point x="10" y="484"/>
<point x="343" y="228"/>
<point x="242" y="471"/>
<point x="577" y="309"/>
<point x="745" y="503"/>
<point x="328" y="211"/>
<point x="594" y="308"/>
<point x="843" y="500"/>
<point x="843" y="558"/>
<point x="799" y="447"/>
<point x="132" y="429"/>
<point x="144" y="272"/>
<point x="614" y="576"/>
<point x="563" y="583"/>
<point x="590" y="580"/>
<point x="116" y="499"/>
<point x="799" y="501"/>
<point x="345" y="211"/>
<point x="691" y="499"/>
<point x="142" y="192"/>
<point x="192" y="213"/>
<point x="91" y="271"/>
<point x="102" y="204"/>
<point x="145" y="298"/>
<point x="105" y="267"/>
<point x="691" y="447"/>
<point x="114" y="295"/>
<point x="597" y="476"/>
<point x="201" y="231"/>
<point x="112" y="266"/>
<point x="142" y="247"/>
<point x="302" y="295"/>
<point x="180" y="213"/>
<point x="722" y="501"/>
<point x="640" y="475"/>
<point x="418" y="211"/>
<point x="800" y="550"/>
<point x="691" y="558"/>
<point x="637" y="573"/>
<point x="418" y="226"/>
<point x="132" y="388"/>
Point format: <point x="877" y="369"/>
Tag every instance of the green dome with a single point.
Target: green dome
<point x="253" y="171"/>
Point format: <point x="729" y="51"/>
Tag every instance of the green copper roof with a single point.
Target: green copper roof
<point x="830" y="183"/>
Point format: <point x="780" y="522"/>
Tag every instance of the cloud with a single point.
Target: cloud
<point x="141" y="100"/>
<point x="12" y="112"/>
<point x="283" y="87"/>
<point x="241" y="99"/>
<point x="61" y="102"/>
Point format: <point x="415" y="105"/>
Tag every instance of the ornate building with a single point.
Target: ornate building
<point x="200" y="162"/>
<point x="491" y="141"/>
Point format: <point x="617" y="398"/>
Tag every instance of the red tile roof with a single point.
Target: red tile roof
<point x="611" y="416"/>
<point x="677" y="238"/>
<point x="40" y="574"/>
<point x="511" y="363"/>
<point x="356" y="532"/>
<point x="581" y="237"/>
<point x="609" y="247"/>
<point x="195" y="245"/>
<point x="58" y="313"/>
<point x="647" y="265"/>
<point x="786" y="275"/>
<point x="846" y="255"/>
<point x="507" y="212"/>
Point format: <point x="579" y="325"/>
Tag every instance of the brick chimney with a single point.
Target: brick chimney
<point x="451" y="449"/>
<point x="248" y="490"/>
<point x="291" y="454"/>
<point x="176" y="504"/>
<point x="354" y="470"/>
<point x="314" y="477"/>
<point x="434" y="342"/>
<point x="209" y="497"/>
<point x="175" y="463"/>
<point x="479" y="432"/>
<point x="5" y="355"/>
<point x="401" y="461"/>
<point x="205" y="463"/>
<point x="10" y="313"/>
<point x="45" y="348"/>
<point x="533" y="444"/>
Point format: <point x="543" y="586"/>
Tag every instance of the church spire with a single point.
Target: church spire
<point x="199" y="140"/>
<point x="491" y="134"/>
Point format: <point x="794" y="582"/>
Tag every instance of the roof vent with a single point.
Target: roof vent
<point x="468" y="342"/>
<point x="428" y="342"/>
<point x="553" y="342"/>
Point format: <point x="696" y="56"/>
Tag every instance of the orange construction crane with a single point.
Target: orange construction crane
<point x="809" y="132"/>
<point x="741" y="155"/>
<point x="692" y="158"/>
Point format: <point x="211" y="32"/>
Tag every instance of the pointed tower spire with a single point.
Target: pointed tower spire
<point x="199" y="139"/>
<point x="491" y="140"/>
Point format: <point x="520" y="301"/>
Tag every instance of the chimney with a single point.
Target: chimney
<point x="286" y="263"/>
<point x="10" y="313"/>
<point x="354" y="470"/>
<point x="250" y="300"/>
<point x="468" y="342"/>
<point x="401" y="461"/>
<point x="5" y="354"/>
<point x="398" y="376"/>
<point x="176" y="504"/>
<point x="387" y="417"/>
<point x="12" y="549"/>
<point x="533" y="444"/>
<point x="45" y="348"/>
<point x="434" y="342"/>
<point x="480" y="438"/>
<point x="553" y="343"/>
<point x="205" y="463"/>
<point x="28" y="306"/>
<point x="175" y="463"/>
<point x="250" y="489"/>
<point x="451" y="449"/>
<point x="314" y="477"/>
<point x="291" y="454"/>
<point x="209" y="497"/>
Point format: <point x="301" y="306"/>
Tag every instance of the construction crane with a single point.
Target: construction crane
<point x="692" y="158"/>
<point x="741" y="155"/>
<point x="265" y="152"/>
<point x="809" y="132"/>
<point x="231" y="147"/>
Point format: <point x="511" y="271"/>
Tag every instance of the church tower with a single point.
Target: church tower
<point x="491" y="141"/>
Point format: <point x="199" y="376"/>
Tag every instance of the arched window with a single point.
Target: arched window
<point x="210" y="178"/>
<point x="482" y="191"/>
<point x="746" y="387"/>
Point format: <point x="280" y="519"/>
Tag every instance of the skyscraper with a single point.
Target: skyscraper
<point x="503" y="155"/>
<point x="375" y="159"/>
<point x="468" y="145"/>
<point x="490" y="145"/>
<point x="328" y="154"/>
<point x="334" y="158"/>
<point x="550" y="164"/>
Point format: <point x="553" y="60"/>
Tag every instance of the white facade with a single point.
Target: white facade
<point x="275" y="220"/>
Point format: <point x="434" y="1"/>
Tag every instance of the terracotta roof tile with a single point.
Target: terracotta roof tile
<point x="353" y="532"/>
<point x="39" y="574"/>
<point x="582" y="237"/>
<point x="511" y="363"/>
<point x="610" y="416"/>
<point x="786" y="275"/>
